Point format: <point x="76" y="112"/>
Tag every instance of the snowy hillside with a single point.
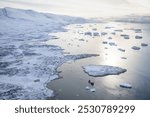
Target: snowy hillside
<point x="30" y="24"/>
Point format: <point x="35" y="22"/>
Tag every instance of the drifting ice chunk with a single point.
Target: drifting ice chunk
<point x="123" y="58"/>
<point x="102" y="70"/>
<point x="103" y="33"/>
<point x="104" y="42"/>
<point x="125" y="36"/>
<point x="88" y="33"/>
<point x="138" y="30"/>
<point x="138" y="37"/>
<point x="87" y="87"/>
<point x="144" y="44"/>
<point x="92" y="89"/>
<point x="122" y="50"/>
<point x="95" y="34"/>
<point x="119" y="30"/>
<point x="125" y="85"/>
<point x="109" y="37"/>
<point x="112" y="44"/>
<point x="136" y="48"/>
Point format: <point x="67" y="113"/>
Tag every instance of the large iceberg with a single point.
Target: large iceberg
<point x="102" y="70"/>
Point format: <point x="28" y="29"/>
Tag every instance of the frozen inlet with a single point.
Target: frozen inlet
<point x="102" y="70"/>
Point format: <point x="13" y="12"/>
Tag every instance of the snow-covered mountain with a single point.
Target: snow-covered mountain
<point x="19" y="23"/>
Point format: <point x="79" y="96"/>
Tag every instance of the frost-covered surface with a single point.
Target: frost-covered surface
<point x="27" y="63"/>
<point x="103" y="70"/>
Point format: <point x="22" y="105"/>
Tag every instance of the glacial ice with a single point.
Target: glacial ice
<point x="136" y="48"/>
<point x="102" y="70"/>
<point x="125" y="85"/>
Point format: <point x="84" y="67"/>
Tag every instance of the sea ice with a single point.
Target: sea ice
<point x="88" y="33"/>
<point x="144" y="44"/>
<point x="92" y="89"/>
<point x="125" y="85"/>
<point x="136" y="48"/>
<point x="102" y="70"/>
<point x="125" y="36"/>
<point x="138" y="37"/>
<point x="122" y="50"/>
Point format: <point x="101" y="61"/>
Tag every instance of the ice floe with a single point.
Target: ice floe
<point x="138" y="37"/>
<point x="136" y="48"/>
<point x="144" y="44"/>
<point x="125" y="85"/>
<point x="122" y="50"/>
<point x="102" y="70"/>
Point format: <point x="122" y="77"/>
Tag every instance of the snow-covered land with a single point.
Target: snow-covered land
<point x="103" y="70"/>
<point x="27" y="63"/>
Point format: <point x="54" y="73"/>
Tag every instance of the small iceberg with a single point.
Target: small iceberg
<point x="88" y="33"/>
<point x="136" y="48"/>
<point x="122" y="50"/>
<point x="125" y="85"/>
<point x="123" y="58"/>
<point x="119" y="30"/>
<point x="138" y="30"/>
<point x="102" y="70"/>
<point x="103" y="33"/>
<point x="95" y="34"/>
<point x="112" y="44"/>
<point x="87" y="88"/>
<point x="104" y="42"/>
<point x="92" y="89"/>
<point x="138" y="37"/>
<point x="144" y="44"/>
<point x="125" y="36"/>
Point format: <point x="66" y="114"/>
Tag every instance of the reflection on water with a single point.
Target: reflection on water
<point x="74" y="81"/>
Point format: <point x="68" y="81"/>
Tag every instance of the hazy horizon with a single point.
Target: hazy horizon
<point x="83" y="8"/>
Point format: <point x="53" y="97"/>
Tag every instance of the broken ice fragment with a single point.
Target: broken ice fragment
<point x="104" y="42"/>
<point x="125" y="85"/>
<point x="123" y="58"/>
<point x="92" y="89"/>
<point x="102" y="70"/>
<point x="125" y="36"/>
<point x="112" y="44"/>
<point x="88" y="33"/>
<point x="87" y="87"/>
<point x="136" y="48"/>
<point x="122" y="50"/>
<point x="138" y="37"/>
<point x="144" y="44"/>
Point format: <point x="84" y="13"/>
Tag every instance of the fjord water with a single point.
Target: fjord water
<point x="73" y="80"/>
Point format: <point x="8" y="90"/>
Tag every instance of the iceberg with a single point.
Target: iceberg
<point x="125" y="85"/>
<point x="102" y="70"/>
<point x="136" y="48"/>
<point x="144" y="44"/>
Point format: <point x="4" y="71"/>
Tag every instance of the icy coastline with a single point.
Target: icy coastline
<point x="27" y="63"/>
